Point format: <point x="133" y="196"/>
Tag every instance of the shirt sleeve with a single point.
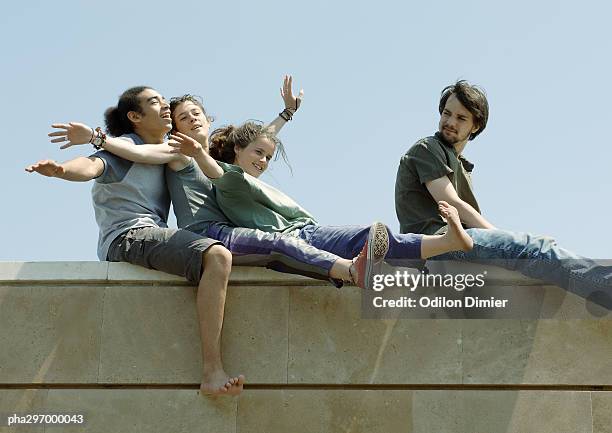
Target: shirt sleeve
<point x="229" y="167"/>
<point x="232" y="179"/>
<point x="428" y="161"/>
<point x="115" y="168"/>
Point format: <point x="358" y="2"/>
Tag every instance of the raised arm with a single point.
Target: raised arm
<point x="74" y="133"/>
<point x="442" y="189"/>
<point x="187" y="146"/>
<point x="80" y="169"/>
<point x="292" y="104"/>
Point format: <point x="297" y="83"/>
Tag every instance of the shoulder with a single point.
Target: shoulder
<point x="429" y="144"/>
<point x="230" y="168"/>
<point x="428" y="148"/>
<point x="181" y="163"/>
<point x="114" y="168"/>
<point x="131" y="138"/>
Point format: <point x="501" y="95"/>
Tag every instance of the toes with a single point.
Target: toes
<point x="241" y="380"/>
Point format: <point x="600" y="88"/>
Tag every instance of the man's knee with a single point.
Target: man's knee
<point x="217" y="257"/>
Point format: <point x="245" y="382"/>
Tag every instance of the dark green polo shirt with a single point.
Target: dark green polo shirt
<point x="429" y="159"/>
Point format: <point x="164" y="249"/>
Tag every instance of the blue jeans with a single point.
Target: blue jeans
<point x="276" y="251"/>
<point x="347" y="241"/>
<point x="540" y="257"/>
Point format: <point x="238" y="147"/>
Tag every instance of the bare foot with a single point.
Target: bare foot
<point x="457" y="237"/>
<point x="219" y="383"/>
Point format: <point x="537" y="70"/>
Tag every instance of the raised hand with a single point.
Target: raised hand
<point x="186" y="145"/>
<point x="47" y="167"/>
<point x="291" y="102"/>
<point x="73" y="133"/>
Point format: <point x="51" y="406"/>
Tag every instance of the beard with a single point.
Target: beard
<point x="451" y="138"/>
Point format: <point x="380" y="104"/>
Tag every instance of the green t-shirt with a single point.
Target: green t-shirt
<point x="249" y="202"/>
<point x="429" y="159"/>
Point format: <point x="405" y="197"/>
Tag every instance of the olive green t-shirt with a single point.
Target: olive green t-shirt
<point x="429" y="159"/>
<point x="249" y="202"/>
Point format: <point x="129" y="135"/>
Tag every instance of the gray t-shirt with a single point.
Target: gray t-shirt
<point x="193" y="199"/>
<point x="128" y="195"/>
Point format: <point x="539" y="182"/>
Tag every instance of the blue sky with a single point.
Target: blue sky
<point x="371" y="72"/>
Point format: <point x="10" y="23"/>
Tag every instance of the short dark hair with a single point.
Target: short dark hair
<point x="115" y="118"/>
<point x="197" y="100"/>
<point x="473" y="98"/>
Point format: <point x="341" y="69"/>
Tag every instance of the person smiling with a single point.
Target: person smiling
<point x="131" y="205"/>
<point x="293" y="243"/>
<point x="236" y="159"/>
<point x="196" y="209"/>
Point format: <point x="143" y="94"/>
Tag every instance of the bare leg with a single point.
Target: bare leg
<point x="340" y="270"/>
<point x="455" y="239"/>
<point x="217" y="262"/>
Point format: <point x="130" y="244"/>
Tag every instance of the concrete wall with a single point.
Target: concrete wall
<point x="120" y="344"/>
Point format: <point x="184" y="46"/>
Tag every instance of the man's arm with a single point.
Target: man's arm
<point x="442" y="189"/>
<point x="142" y="153"/>
<point x="80" y="169"/>
<point x="292" y="104"/>
<point x="74" y="133"/>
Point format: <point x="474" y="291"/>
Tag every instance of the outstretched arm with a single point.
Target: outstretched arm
<point x="187" y="146"/>
<point x="292" y="104"/>
<point x="442" y="190"/>
<point x="74" y="133"/>
<point x="80" y="169"/>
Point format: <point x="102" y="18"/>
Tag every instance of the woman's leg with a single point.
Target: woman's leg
<point x="347" y="241"/>
<point x="282" y="253"/>
<point x="372" y="243"/>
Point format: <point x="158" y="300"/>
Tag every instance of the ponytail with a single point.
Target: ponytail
<point x="224" y="140"/>
<point x="221" y="146"/>
<point x="115" y="118"/>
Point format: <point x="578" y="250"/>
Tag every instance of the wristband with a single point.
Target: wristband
<point x="286" y="114"/>
<point x="99" y="140"/>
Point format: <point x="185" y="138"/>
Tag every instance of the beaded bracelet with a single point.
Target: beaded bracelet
<point x="99" y="140"/>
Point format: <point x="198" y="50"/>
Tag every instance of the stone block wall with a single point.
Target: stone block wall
<point x="120" y="344"/>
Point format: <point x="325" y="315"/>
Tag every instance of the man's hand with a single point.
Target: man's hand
<point x="74" y="133"/>
<point x="186" y="145"/>
<point x="47" y="168"/>
<point x="291" y="102"/>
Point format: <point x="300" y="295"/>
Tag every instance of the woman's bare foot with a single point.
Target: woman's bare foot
<point x="457" y="237"/>
<point x="219" y="383"/>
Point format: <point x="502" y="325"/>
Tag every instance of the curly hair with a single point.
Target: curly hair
<point x="115" y="118"/>
<point x="195" y="99"/>
<point x="473" y="98"/>
<point x="223" y="140"/>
